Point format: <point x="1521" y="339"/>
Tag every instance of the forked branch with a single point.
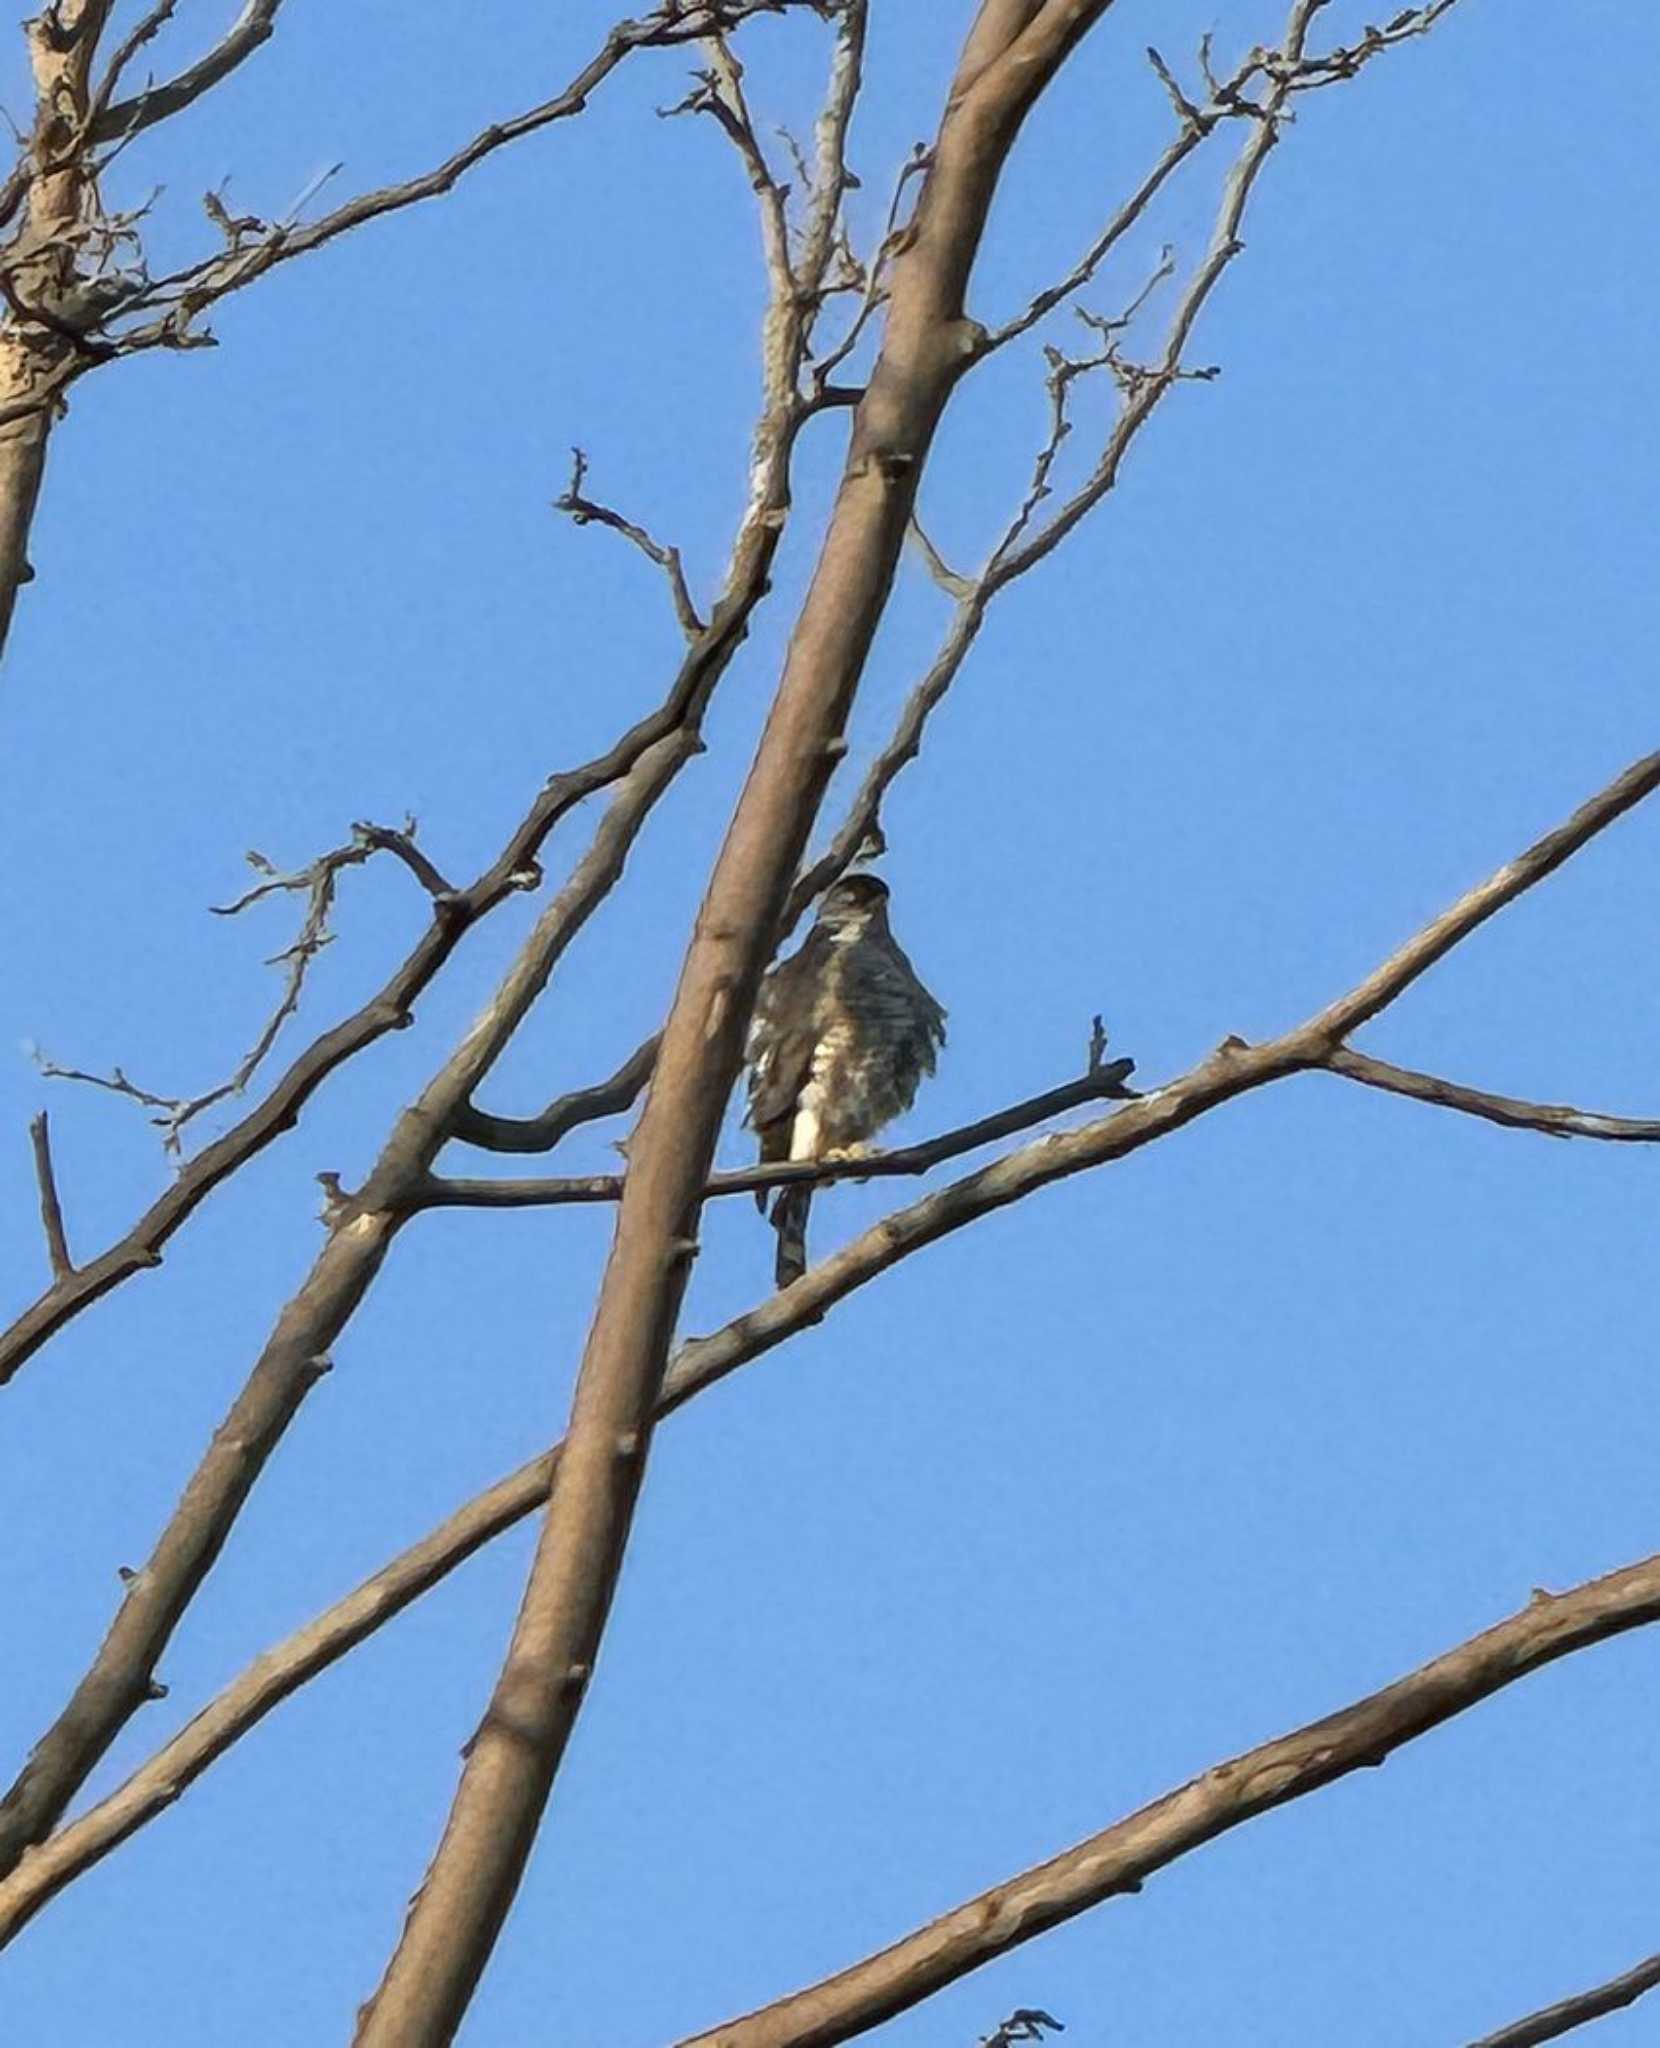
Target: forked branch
<point x="585" y="511"/>
<point x="253" y="27"/>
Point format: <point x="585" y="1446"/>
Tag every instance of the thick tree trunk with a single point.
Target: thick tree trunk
<point x="1013" y="51"/>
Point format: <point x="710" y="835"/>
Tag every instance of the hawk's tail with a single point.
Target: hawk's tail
<point x="789" y="1219"/>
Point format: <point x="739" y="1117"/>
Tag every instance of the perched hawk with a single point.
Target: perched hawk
<point x="843" y="1032"/>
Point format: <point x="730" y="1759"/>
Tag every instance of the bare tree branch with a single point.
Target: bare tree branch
<point x="296" y="1355"/>
<point x="1345" y="62"/>
<point x="1148" y="386"/>
<point x="1287" y="68"/>
<point x="831" y="177"/>
<point x="318" y="883"/>
<point x="76" y="316"/>
<point x="1119" y="1859"/>
<point x="38" y="355"/>
<point x="51" y="1209"/>
<point x="513" y="870"/>
<point x="581" y="1106"/>
<point x="586" y="512"/>
<point x="204" y="284"/>
<point x="1554" y="1120"/>
<point x="795" y="292"/>
<point x="1473" y="909"/>
<point x="1556" y="2020"/>
<point x="285" y="1668"/>
<point x="1105" y="1081"/>
<point x="1232" y="1070"/>
<point x="1010" y="56"/>
<point x="362" y="1226"/>
<point x="252" y="27"/>
<point x="1197" y="125"/>
<point x="145" y="30"/>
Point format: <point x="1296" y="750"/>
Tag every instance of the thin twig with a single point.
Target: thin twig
<point x="586" y="511"/>
<point x="1344" y="62"/>
<point x="319" y="883"/>
<point x="1063" y="372"/>
<point x="959" y="587"/>
<point x="824" y="234"/>
<point x="51" y="1209"/>
<point x="875" y="291"/>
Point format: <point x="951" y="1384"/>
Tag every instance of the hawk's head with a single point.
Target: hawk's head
<point x="853" y="905"/>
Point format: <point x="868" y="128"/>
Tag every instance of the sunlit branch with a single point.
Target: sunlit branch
<point x="1118" y="1861"/>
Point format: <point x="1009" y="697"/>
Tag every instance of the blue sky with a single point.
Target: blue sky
<point x="1138" y="1473"/>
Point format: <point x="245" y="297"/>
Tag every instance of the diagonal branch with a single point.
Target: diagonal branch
<point x="362" y="1226"/>
<point x="390" y="1009"/>
<point x="1486" y="900"/>
<point x="145" y="30"/>
<point x="1554" y="2021"/>
<point x="1554" y="1120"/>
<point x="1119" y="1859"/>
<point x="296" y="1355"/>
<point x="831" y="178"/>
<point x="1289" y="70"/>
<point x="585" y="511"/>
<point x="1011" y="55"/>
<point x="252" y="27"/>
